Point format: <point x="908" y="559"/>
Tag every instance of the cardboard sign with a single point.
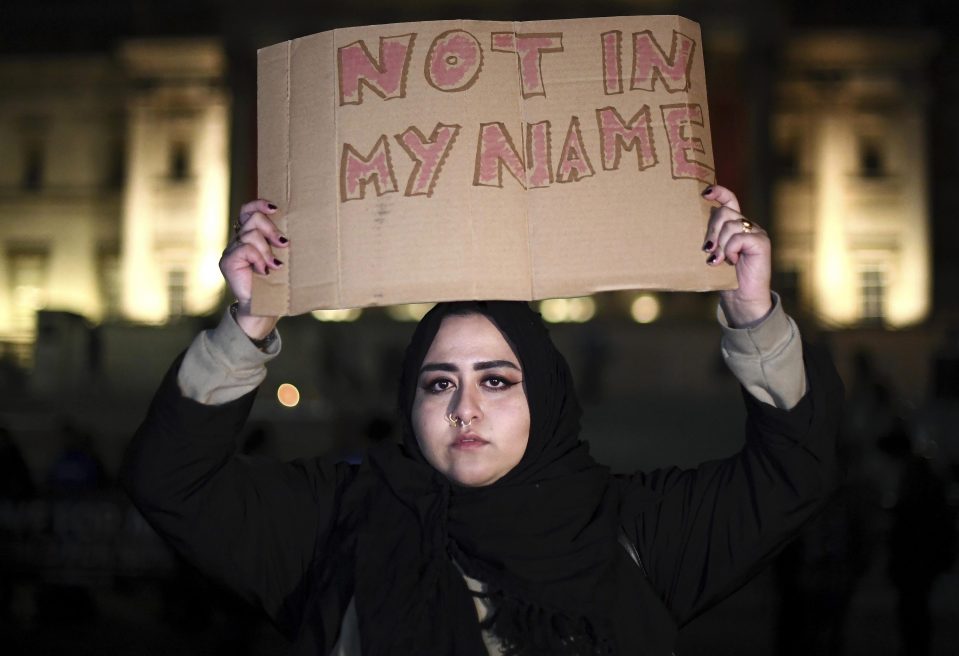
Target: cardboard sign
<point x="467" y="160"/>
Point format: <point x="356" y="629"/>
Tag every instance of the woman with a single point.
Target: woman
<point x="491" y="530"/>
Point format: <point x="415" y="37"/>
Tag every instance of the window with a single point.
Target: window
<point x="32" y="131"/>
<point x="31" y="178"/>
<point x="787" y="159"/>
<point x="871" y="161"/>
<point x="176" y="293"/>
<point x="116" y="166"/>
<point x="109" y="279"/>
<point x="28" y="287"/>
<point x="872" y="286"/>
<point x="179" y="161"/>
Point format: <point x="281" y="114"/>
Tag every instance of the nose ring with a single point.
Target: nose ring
<point x="455" y="421"/>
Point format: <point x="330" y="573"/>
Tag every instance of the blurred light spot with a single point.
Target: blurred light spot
<point x="351" y="314"/>
<point x="645" y="308"/>
<point x="568" y="310"/>
<point x="409" y="312"/>
<point x="288" y="395"/>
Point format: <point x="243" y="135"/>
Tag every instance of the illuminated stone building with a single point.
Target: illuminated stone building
<point x="114" y="184"/>
<point x="114" y="192"/>
<point x="850" y="200"/>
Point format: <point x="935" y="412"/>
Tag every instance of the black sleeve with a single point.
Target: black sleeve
<point x="703" y="532"/>
<point x="251" y="524"/>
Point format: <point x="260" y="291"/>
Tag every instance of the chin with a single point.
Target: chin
<point x="471" y="478"/>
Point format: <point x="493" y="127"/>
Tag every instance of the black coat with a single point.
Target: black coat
<point x="261" y="526"/>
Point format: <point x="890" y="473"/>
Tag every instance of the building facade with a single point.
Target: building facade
<point x="114" y="190"/>
<point x="851" y="197"/>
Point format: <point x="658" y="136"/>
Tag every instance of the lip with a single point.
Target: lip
<point x="469" y="441"/>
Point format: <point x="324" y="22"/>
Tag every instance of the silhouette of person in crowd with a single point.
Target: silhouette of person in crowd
<point x="922" y="541"/>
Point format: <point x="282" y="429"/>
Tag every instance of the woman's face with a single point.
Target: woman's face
<point x="471" y="372"/>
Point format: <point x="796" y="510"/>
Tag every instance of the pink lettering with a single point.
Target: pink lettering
<point x="682" y="148"/>
<point x="538" y="156"/>
<point x="454" y="61"/>
<point x="574" y="164"/>
<point x="356" y="171"/>
<point x="385" y="76"/>
<point x="615" y="136"/>
<point x="612" y="69"/>
<point x="428" y="154"/>
<point x="651" y="63"/>
<point x="495" y="151"/>
<point x="529" y="49"/>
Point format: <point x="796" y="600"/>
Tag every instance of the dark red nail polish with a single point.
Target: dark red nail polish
<point x="711" y="259"/>
<point x="708" y="190"/>
<point x="277" y="262"/>
<point x="284" y="240"/>
<point x="708" y="246"/>
<point x="267" y="272"/>
<point x="271" y="206"/>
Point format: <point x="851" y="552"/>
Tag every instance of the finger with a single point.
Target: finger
<point x="256" y="239"/>
<point x="723" y="196"/>
<point x="258" y="205"/>
<point x="733" y="241"/>
<point x="245" y="256"/>
<point x="729" y="230"/>
<point x="264" y="224"/>
<point x="745" y="245"/>
<point x="718" y="216"/>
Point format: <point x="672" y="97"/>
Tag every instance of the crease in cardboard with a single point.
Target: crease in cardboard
<point x="470" y="214"/>
<point x="521" y="109"/>
<point x="473" y="255"/>
<point x="474" y="276"/>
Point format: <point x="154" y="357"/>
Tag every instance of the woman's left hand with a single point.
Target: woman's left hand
<point x="733" y="239"/>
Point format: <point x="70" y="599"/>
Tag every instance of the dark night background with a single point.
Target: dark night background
<point x="902" y="384"/>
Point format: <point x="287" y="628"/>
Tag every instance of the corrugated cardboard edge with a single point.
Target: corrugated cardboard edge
<point x="271" y="294"/>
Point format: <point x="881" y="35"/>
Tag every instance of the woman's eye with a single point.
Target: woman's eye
<point x="438" y="385"/>
<point x="496" y="382"/>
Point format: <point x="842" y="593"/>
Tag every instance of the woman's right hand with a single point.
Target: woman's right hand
<point x="251" y="250"/>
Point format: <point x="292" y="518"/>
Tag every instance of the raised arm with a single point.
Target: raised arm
<point x="254" y="524"/>
<point x="703" y="532"/>
<point x="761" y="343"/>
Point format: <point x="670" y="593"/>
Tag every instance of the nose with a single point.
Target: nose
<point x="467" y="405"/>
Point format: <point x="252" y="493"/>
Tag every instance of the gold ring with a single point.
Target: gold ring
<point x="455" y="421"/>
<point x="236" y="227"/>
<point x="747" y="225"/>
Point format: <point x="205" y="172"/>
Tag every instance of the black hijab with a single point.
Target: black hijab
<point x="542" y="537"/>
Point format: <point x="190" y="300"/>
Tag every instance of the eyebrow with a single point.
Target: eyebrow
<point x="477" y="366"/>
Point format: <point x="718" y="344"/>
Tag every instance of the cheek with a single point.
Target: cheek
<point x="428" y="433"/>
<point x="517" y="428"/>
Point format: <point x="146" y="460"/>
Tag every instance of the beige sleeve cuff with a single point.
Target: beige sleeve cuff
<point x="222" y="364"/>
<point x="767" y="357"/>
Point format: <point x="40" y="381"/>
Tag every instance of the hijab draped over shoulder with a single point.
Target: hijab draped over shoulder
<point x="543" y="538"/>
